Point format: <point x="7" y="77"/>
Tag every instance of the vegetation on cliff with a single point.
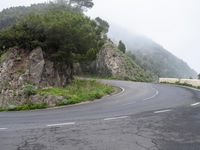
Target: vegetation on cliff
<point x="121" y="46"/>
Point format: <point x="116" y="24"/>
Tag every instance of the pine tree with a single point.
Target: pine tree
<point x="121" y="46"/>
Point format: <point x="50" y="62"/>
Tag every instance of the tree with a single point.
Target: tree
<point x="63" y="36"/>
<point x="79" y="4"/>
<point x="121" y="46"/>
<point x="83" y="3"/>
<point x="199" y="76"/>
<point x="103" y="24"/>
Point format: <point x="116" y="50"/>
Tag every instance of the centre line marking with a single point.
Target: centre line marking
<point x="120" y="92"/>
<point x="61" y="124"/>
<point x="162" y="111"/>
<point x="3" y="128"/>
<point x="115" y="118"/>
<point x="156" y="93"/>
<point x="195" y="104"/>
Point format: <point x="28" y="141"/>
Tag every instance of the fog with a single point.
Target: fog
<point x="174" y="24"/>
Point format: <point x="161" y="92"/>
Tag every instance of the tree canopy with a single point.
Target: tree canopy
<point x="64" y="36"/>
<point x="10" y="16"/>
<point x="79" y="4"/>
<point x="104" y="24"/>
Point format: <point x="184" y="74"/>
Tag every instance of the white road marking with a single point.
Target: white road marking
<point x="115" y="118"/>
<point x="3" y="128"/>
<point x="121" y="91"/>
<point x="162" y="111"/>
<point x="61" y="124"/>
<point x="195" y="104"/>
<point x="156" y="93"/>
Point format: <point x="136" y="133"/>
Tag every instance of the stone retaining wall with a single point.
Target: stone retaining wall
<point x="193" y="82"/>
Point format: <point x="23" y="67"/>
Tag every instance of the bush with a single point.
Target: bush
<point x="29" y="90"/>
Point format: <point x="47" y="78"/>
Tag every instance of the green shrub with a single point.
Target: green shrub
<point x="29" y="90"/>
<point x="1" y="109"/>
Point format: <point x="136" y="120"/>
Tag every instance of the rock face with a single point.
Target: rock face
<point x="111" y="62"/>
<point x="19" y="67"/>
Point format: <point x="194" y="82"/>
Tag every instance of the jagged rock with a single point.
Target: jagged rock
<point x="19" y="67"/>
<point x="51" y="101"/>
<point x="36" y="65"/>
<point x="111" y="62"/>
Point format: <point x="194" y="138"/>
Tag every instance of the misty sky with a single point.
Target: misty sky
<point x="175" y="24"/>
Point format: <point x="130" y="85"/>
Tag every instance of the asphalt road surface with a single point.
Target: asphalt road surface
<point x="141" y="117"/>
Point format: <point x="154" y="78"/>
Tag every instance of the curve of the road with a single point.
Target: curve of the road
<point x="134" y="98"/>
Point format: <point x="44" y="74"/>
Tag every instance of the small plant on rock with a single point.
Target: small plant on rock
<point x="29" y="90"/>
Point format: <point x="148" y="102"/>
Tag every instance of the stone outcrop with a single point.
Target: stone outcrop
<point x="111" y="62"/>
<point x="19" y="67"/>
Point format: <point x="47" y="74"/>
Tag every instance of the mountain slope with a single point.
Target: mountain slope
<point x="151" y="56"/>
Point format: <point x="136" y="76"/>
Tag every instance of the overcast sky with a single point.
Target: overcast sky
<point x="174" y="24"/>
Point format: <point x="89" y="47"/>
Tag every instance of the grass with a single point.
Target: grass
<point x="79" y="91"/>
<point x="25" y="107"/>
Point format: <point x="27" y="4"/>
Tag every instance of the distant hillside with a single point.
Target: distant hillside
<point x="151" y="56"/>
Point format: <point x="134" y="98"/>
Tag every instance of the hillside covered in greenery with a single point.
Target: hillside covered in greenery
<point x="151" y="56"/>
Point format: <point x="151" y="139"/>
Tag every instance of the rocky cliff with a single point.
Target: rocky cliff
<point x="111" y="62"/>
<point x="19" y="68"/>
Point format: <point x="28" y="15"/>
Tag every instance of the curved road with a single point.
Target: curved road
<point x="141" y="116"/>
